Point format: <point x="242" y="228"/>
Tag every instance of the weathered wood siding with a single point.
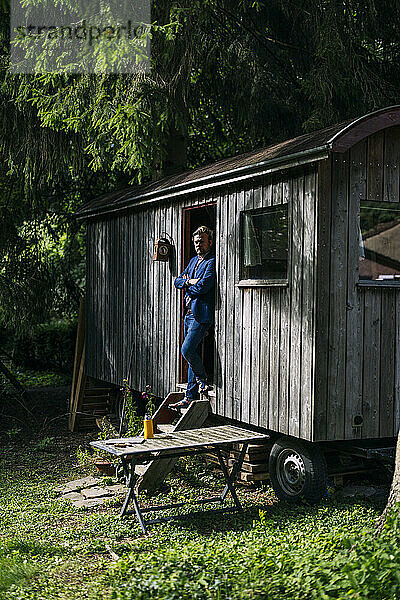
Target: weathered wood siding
<point x="264" y="359"/>
<point x="358" y="328"/>
<point x="132" y="304"/>
<point x="303" y="360"/>
<point x="265" y="335"/>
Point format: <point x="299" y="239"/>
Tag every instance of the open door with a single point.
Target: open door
<point x="192" y="219"/>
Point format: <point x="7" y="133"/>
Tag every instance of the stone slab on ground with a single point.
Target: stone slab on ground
<point x="88" y="491"/>
<point x="117" y="488"/>
<point x="73" y="496"/>
<point x="96" y="492"/>
<point x="77" y="484"/>
<point x="363" y="491"/>
<point x="88" y="502"/>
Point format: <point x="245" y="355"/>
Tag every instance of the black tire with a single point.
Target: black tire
<point x="297" y="470"/>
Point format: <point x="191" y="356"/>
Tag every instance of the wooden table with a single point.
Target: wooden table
<point x="167" y="446"/>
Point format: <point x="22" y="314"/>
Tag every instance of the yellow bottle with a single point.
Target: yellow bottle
<point x="148" y="427"/>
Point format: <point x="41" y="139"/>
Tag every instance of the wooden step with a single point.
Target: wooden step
<point x="94" y="405"/>
<point x="165" y="428"/>
<point x="182" y="388"/>
<point x="87" y="422"/>
<point x="193" y="418"/>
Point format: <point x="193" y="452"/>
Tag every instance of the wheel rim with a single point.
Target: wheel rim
<point x="291" y="472"/>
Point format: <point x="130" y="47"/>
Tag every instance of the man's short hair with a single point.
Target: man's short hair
<point x="206" y="230"/>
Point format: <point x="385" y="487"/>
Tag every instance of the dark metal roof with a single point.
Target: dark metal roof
<point x="305" y="148"/>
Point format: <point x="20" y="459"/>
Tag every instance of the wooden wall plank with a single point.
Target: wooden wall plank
<point x="274" y="356"/>
<point x="105" y="299"/>
<point x="275" y="337"/>
<point x="174" y="316"/>
<point x="229" y="299"/>
<point x="338" y="296"/>
<point x="179" y="269"/>
<point x="237" y="342"/>
<point x="162" y="312"/>
<point x="130" y="285"/>
<point x="391" y="161"/>
<point x="152" y="291"/>
<point x="307" y="317"/>
<point x="139" y="302"/>
<point x="135" y="383"/>
<point x="284" y="368"/>
<point x="396" y="407"/>
<point x="371" y="362"/>
<point x="99" y="302"/>
<point x="221" y="323"/>
<point x="142" y="302"/>
<point x="387" y="362"/>
<point x="255" y="334"/>
<point x="127" y="282"/>
<point x="265" y="328"/>
<point x="167" y="311"/>
<point x="156" y="350"/>
<point x="295" y="310"/>
<point x="354" y="325"/>
<point x="115" y="280"/>
<point x="246" y="333"/>
<point x="375" y="164"/>
<point x="89" y="295"/>
<point x="323" y="297"/>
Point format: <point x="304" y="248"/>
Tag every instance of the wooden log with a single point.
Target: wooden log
<point x="78" y="366"/>
<point x="248" y="467"/>
<point x="254" y="477"/>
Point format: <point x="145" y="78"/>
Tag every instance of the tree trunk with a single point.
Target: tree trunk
<point x="394" y="494"/>
<point x="175" y="161"/>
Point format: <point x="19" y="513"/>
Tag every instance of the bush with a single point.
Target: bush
<point x="49" y="345"/>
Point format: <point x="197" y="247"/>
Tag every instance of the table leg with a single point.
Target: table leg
<point x="125" y="469"/>
<point x="130" y="478"/>
<point x="131" y="496"/>
<point x="229" y="482"/>
<point x="235" y="470"/>
<point x="138" y="511"/>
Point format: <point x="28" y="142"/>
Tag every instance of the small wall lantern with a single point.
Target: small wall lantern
<point x="162" y="250"/>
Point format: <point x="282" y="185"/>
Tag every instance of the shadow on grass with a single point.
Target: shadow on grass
<point x="280" y="514"/>
<point x="31" y="548"/>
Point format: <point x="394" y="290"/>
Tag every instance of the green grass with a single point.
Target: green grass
<point x="49" y="550"/>
<point x="31" y="378"/>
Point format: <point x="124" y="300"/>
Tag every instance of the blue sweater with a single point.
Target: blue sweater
<point x="201" y="295"/>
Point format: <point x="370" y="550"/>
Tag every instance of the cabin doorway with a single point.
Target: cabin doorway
<point x="193" y="218"/>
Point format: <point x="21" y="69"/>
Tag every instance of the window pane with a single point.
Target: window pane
<point x="264" y="243"/>
<point x="379" y="255"/>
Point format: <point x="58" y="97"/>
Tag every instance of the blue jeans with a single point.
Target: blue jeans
<point x="194" y="333"/>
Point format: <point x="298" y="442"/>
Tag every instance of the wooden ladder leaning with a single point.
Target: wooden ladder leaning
<point x="153" y="474"/>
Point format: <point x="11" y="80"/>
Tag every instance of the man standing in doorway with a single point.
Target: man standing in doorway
<point x="198" y="282"/>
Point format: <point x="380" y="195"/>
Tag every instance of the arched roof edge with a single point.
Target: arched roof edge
<point x="363" y="127"/>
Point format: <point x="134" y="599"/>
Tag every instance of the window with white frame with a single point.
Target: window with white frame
<point x="264" y="243"/>
<point x="379" y="250"/>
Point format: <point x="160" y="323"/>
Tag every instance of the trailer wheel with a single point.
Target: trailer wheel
<point x="297" y="470"/>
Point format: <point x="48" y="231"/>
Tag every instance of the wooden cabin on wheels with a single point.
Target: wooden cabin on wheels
<point x="306" y="342"/>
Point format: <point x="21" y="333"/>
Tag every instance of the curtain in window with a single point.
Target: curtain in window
<point x="361" y="251"/>
<point x="251" y="247"/>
